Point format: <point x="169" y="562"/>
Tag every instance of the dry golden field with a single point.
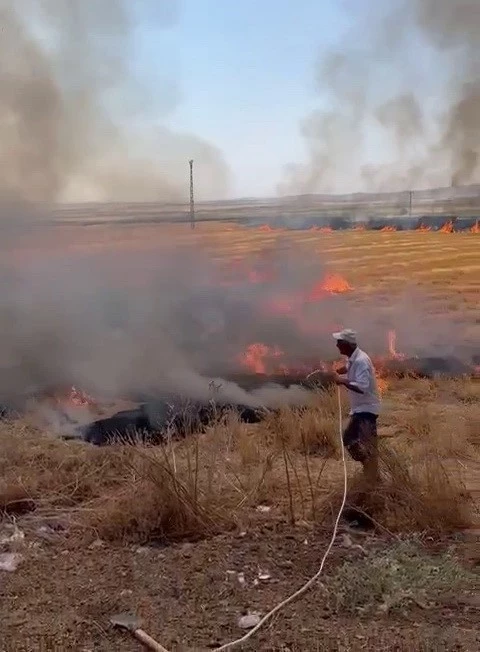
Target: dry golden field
<point x="193" y="535"/>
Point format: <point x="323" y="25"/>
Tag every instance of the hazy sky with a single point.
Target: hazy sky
<point x="245" y="74"/>
<point x="108" y="99"/>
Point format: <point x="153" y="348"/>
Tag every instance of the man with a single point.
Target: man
<point x="358" y="376"/>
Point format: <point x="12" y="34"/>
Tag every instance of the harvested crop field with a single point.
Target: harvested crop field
<point x="195" y="534"/>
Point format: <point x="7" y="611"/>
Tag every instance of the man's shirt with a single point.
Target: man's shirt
<point x="361" y="373"/>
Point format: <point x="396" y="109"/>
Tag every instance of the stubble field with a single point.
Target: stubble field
<point x="192" y="536"/>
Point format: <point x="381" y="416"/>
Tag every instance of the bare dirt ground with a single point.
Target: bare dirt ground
<point x="231" y="522"/>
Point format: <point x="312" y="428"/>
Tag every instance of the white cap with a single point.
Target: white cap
<point x="347" y="335"/>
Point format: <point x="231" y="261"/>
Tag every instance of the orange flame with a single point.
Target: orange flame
<point x="331" y="284"/>
<point x="72" y="397"/>
<point x="392" y="346"/>
<point x="476" y="227"/>
<point x="262" y="359"/>
<point x="257" y="356"/>
<point x="389" y="228"/>
<point x="447" y="227"/>
<point x="423" y="227"/>
<point x="382" y="384"/>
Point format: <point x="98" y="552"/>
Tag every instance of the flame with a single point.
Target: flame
<point x="476" y="227"/>
<point x="359" y="227"/>
<point x="389" y="228"/>
<point x="70" y="397"/>
<point x="382" y="383"/>
<point x="79" y="398"/>
<point x="257" y="356"/>
<point x="392" y="348"/>
<point x="423" y="227"/>
<point x="447" y="227"/>
<point x="331" y="284"/>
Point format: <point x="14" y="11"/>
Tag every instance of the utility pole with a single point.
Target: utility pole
<point x="192" y="200"/>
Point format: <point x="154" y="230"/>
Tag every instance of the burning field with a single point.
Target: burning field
<point x="215" y="344"/>
<point x="162" y="321"/>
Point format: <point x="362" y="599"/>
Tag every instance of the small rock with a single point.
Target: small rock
<point x="285" y="563"/>
<point x="347" y="541"/>
<point x="9" y="561"/>
<point x="13" y="535"/>
<point x="45" y="532"/>
<point x="263" y="508"/>
<point x="142" y="550"/>
<point x="98" y="543"/>
<point x="249" y="621"/>
<point x="241" y="578"/>
<point x="264" y="575"/>
<point x="125" y="592"/>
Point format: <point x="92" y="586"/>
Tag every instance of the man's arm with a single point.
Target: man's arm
<point x="360" y="381"/>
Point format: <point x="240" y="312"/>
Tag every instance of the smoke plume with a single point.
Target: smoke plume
<point x="130" y="319"/>
<point x="126" y="316"/>
<point x="401" y="93"/>
<point x="76" y="122"/>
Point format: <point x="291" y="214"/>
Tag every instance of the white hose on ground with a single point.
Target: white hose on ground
<point x="314" y="578"/>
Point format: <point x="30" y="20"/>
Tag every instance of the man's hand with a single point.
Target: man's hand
<point x="337" y="378"/>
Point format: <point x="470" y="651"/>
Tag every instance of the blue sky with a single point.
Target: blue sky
<point x="243" y="78"/>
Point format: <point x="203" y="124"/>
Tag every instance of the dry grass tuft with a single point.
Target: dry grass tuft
<point x="37" y="469"/>
<point x="427" y="496"/>
<point x="212" y="482"/>
<point x="312" y="430"/>
<point x="187" y="489"/>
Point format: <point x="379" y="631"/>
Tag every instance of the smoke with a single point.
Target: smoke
<point x="401" y="93"/>
<point x="76" y="121"/>
<point x="132" y="316"/>
<point x="127" y="318"/>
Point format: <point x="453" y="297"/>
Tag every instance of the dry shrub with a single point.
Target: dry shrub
<point x="414" y="389"/>
<point x="184" y="489"/>
<point x="36" y="468"/>
<point x="312" y="430"/>
<point x="190" y="489"/>
<point x="210" y="482"/>
<point x="472" y="424"/>
<point x="445" y="429"/>
<point x="423" y="496"/>
<point x="465" y="391"/>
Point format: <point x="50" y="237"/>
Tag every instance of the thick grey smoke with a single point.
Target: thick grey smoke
<point x="403" y="95"/>
<point x="76" y="122"/>
<point x="125" y="319"/>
